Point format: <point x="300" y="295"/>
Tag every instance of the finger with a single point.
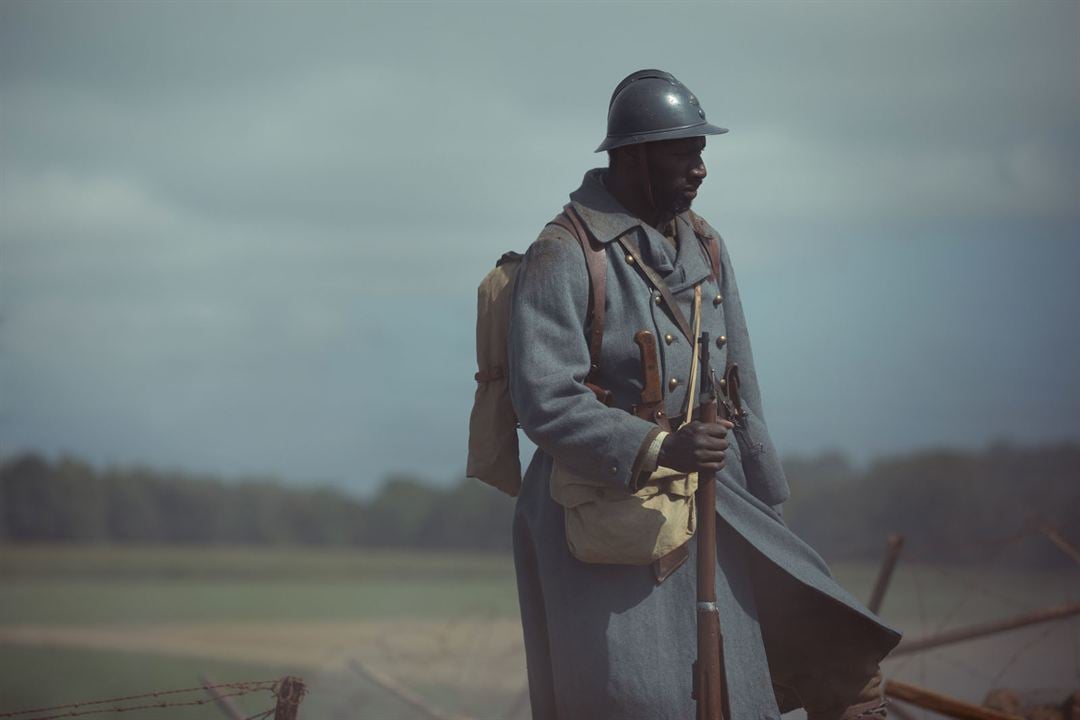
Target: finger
<point x="727" y="423"/>
<point x="708" y="442"/>
<point x="714" y="429"/>
<point x="708" y="456"/>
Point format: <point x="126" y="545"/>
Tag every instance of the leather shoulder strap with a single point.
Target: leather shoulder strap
<point x="596" y="265"/>
<point x="710" y="243"/>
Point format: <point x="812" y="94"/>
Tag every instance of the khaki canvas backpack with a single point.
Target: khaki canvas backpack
<point x="493" y="440"/>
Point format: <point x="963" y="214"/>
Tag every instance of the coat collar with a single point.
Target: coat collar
<point x="608" y="220"/>
<point x="599" y="209"/>
<point x="605" y="217"/>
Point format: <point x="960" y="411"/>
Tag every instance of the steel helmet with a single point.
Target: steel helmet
<point x="652" y="105"/>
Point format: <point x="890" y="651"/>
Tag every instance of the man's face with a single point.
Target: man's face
<point x="675" y="172"/>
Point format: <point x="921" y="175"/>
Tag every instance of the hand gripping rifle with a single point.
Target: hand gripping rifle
<point x="709" y="666"/>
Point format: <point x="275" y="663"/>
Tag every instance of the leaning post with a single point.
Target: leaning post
<point x="289" y="691"/>
<point x="894" y="545"/>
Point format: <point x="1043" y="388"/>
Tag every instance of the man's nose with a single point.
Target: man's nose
<point x="699" y="171"/>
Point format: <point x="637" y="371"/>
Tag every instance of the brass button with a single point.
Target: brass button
<point x="673" y="383"/>
<point x="720" y="340"/>
<point x="630" y="259"/>
<point x="657" y="299"/>
<point x="723" y="383"/>
<point x="614" y="469"/>
<point x="669" y="338"/>
<point x="717" y="300"/>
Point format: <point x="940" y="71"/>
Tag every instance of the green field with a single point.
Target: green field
<point x="130" y="588"/>
<point x="80" y="623"/>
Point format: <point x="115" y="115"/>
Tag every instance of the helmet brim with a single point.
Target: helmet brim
<point x="698" y="130"/>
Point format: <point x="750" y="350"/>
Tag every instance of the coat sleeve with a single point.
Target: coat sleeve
<point x="549" y="360"/>
<point x="761" y="462"/>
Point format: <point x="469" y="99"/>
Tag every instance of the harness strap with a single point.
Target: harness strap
<point x="596" y="265"/>
<point x="710" y="243"/>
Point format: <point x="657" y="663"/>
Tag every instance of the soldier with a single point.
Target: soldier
<point x="615" y="638"/>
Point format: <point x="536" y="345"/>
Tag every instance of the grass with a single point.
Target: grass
<point x="78" y="585"/>
<point x="227" y="562"/>
<point x="97" y="584"/>
<point x="104" y="601"/>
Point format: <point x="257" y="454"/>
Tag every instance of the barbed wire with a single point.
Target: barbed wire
<point x="970" y="669"/>
<point x="988" y="546"/>
<point x="994" y="548"/>
<point x="239" y="688"/>
<point x="1020" y="651"/>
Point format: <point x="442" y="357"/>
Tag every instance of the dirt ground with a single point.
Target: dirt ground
<point x="486" y="658"/>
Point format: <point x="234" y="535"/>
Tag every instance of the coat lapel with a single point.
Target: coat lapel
<point x="607" y="220"/>
<point x="691" y="265"/>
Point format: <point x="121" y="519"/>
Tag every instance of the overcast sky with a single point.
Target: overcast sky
<point x="245" y="238"/>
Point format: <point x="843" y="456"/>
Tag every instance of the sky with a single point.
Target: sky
<point x="245" y="238"/>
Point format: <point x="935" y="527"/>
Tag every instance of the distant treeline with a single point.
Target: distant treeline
<point x="952" y="506"/>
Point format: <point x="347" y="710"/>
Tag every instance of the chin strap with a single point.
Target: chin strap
<point x="648" y="179"/>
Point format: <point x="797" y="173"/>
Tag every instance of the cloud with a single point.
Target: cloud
<point x="780" y="170"/>
<point x="237" y="234"/>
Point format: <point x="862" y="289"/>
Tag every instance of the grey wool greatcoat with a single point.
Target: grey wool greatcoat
<point x="606" y="641"/>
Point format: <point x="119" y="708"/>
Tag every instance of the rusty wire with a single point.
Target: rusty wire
<point x="240" y="688"/>
<point x="995" y="548"/>
<point x="1020" y="651"/>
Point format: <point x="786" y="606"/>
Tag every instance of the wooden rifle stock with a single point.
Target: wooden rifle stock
<point x="709" y="667"/>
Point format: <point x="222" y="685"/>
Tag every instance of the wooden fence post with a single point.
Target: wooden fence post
<point x="1058" y="539"/>
<point x="894" y="545"/>
<point x="943" y="704"/>
<point x="290" y="691"/>
<point x="948" y="637"/>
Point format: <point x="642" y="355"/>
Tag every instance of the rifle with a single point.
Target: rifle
<point x="709" y="667"/>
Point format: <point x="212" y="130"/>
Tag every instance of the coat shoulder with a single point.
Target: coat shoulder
<point x="702" y="227"/>
<point x="704" y="230"/>
<point x="555" y="254"/>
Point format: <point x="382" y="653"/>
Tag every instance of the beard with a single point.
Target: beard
<point x="670" y="198"/>
<point x="675" y="201"/>
<point x="680" y="204"/>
